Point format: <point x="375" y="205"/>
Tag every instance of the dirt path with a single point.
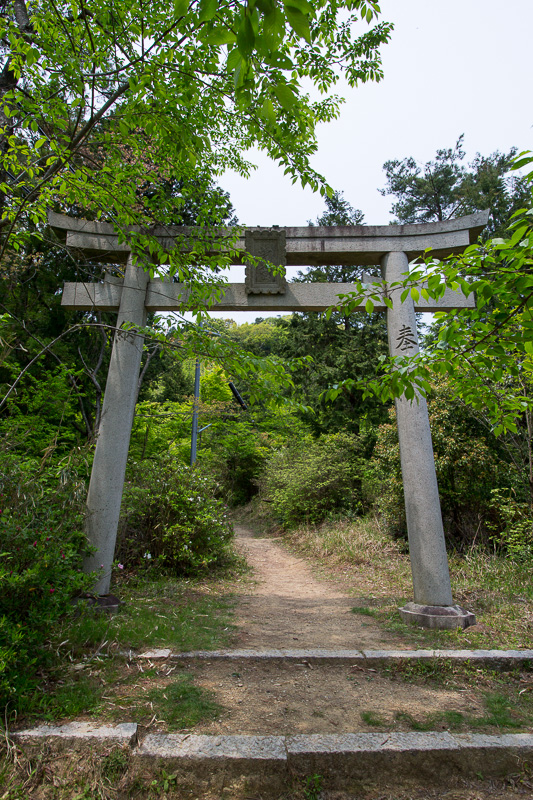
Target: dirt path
<point x="290" y="608"/>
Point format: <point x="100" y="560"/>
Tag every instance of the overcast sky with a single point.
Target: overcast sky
<point x="459" y="66"/>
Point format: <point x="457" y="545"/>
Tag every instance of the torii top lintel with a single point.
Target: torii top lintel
<point x="350" y="245"/>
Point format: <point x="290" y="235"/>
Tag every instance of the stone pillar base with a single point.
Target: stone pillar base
<point x="439" y="617"/>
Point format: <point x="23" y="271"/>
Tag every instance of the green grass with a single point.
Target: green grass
<point x="365" y="611"/>
<point x="155" y="613"/>
<point x="500" y="713"/>
<point x="68" y="696"/>
<point x="370" y="718"/>
<point x="89" y="654"/>
<point x="183" y="705"/>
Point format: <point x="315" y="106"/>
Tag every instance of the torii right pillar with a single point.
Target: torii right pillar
<point x="433" y="604"/>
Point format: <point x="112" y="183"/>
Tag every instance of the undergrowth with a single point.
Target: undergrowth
<point x="92" y="652"/>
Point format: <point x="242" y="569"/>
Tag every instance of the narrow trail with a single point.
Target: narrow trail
<point x="290" y="608"/>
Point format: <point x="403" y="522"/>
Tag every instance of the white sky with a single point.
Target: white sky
<point x="459" y="66"/>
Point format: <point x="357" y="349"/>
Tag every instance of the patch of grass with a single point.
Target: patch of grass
<point x="156" y="613"/>
<point x="438" y="672"/>
<point x="115" y="764"/>
<point x="89" y="653"/>
<point x="448" y="720"/>
<point x="500" y="712"/>
<point x="313" y="787"/>
<point x="370" y="718"/>
<point x="183" y="705"/>
<point x="68" y="696"/>
<point x="366" y="612"/>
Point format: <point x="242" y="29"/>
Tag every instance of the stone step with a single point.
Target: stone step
<point x="271" y="763"/>
<point x="341" y="758"/>
<point x="492" y="658"/>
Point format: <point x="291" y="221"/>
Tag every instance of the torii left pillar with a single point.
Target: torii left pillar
<point x="111" y="453"/>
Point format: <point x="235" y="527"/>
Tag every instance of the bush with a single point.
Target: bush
<point x="513" y="532"/>
<point x="312" y="478"/>
<point x="171" y="519"/>
<point x="41" y="545"/>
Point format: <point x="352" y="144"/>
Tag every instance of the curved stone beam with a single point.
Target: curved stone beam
<point x="351" y="245"/>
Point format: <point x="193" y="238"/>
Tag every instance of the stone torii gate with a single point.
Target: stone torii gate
<point x="392" y="247"/>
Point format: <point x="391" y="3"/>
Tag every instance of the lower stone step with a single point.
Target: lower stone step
<point x="271" y="763"/>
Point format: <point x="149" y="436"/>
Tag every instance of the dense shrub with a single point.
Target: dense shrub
<point x="171" y="519"/>
<point x="236" y="450"/>
<point x="236" y="458"/>
<point x="513" y="531"/>
<point x="312" y="478"/>
<point x="41" y="547"/>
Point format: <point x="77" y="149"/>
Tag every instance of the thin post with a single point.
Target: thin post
<point x="433" y="603"/>
<point x="194" y="432"/>
<point x="111" y="453"/>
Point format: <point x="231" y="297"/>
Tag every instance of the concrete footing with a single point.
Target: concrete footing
<point x="439" y="617"/>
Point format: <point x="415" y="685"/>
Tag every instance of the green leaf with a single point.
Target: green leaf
<point x="180" y="7"/>
<point x="265" y="6"/>
<point x="268" y="110"/>
<point x="285" y="96"/>
<point x="207" y="9"/>
<point x="298" y="22"/>
<point x="234" y="59"/>
<point x="274" y="25"/>
<point x="246" y="38"/>
<point x="369" y="306"/>
<point x="219" y="35"/>
<point x="300" y="5"/>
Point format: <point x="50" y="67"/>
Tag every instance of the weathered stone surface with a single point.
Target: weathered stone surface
<point x="494" y="658"/>
<point x="268" y="244"/>
<point x="427" y="549"/>
<point x="111" y="452"/>
<point x="241" y="748"/>
<point x="269" y="655"/>
<point x="267" y="763"/>
<point x="79" y="732"/>
<point x="426" y="756"/>
<point x="441" y="617"/>
<point x="309" y="245"/>
<point x="208" y="762"/>
<point x="155" y="654"/>
<point x="163" y="296"/>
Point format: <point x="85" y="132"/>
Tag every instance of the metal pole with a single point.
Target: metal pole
<point x="194" y="432"/>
